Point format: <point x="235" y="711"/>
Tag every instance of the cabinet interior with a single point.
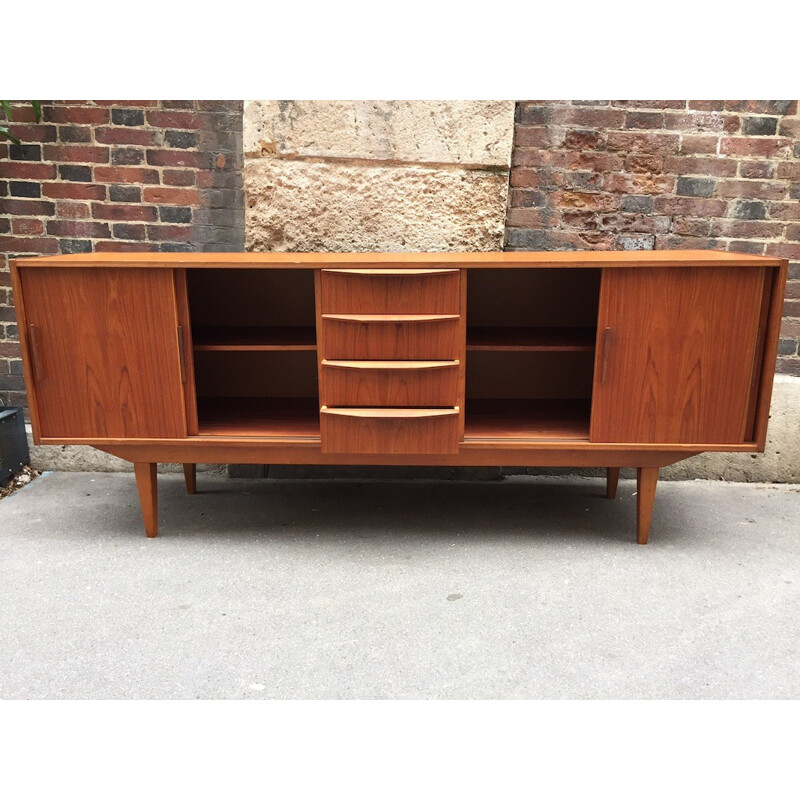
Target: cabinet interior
<point x="530" y="352"/>
<point x="529" y="361"/>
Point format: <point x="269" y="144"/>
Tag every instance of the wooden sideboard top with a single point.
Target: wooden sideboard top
<point x="492" y="259"/>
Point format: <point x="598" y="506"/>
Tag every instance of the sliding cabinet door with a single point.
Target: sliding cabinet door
<point x="676" y="354"/>
<point x="103" y="357"/>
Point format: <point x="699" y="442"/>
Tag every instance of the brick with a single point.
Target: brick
<point x="78" y="229"/>
<point x="584" y="139"/>
<point x="127" y="156"/>
<point x="532" y="137"/>
<point x="530" y="217"/>
<point x="129" y="231"/>
<point x="125" y="194"/>
<point x="784" y="210"/>
<point x="742" y="146"/>
<point x="757" y="169"/>
<point x="787" y="347"/>
<point x="751" y="248"/>
<point x="591" y="181"/>
<point x="171" y="232"/>
<point x="793" y="232"/>
<point x="763" y="190"/>
<point x="117" y="246"/>
<point x="746" y="229"/>
<point x="790" y="329"/>
<point x="528" y="114"/>
<point x="697" y="165"/>
<point x="175" y="119"/>
<point x="793" y="289"/>
<point x="76" y="153"/>
<point x="128" y="103"/>
<point x="126" y="175"/>
<point x="71" y="210"/>
<point x="789" y="170"/>
<point x="748" y="209"/>
<point x="73" y="172"/>
<point x="17" y="244"/>
<point x="76" y="115"/>
<point x="671" y="242"/>
<point x="34" y="133"/>
<point x="135" y="136"/>
<point x="760" y="126"/>
<point x="27" y="227"/>
<point x="638" y="183"/>
<point x="177" y="104"/>
<point x="179" y="158"/>
<point x="124" y="212"/>
<point x="791" y="308"/>
<point x="598" y="118"/>
<point x="763" y="106"/>
<point x="178" y="177"/>
<point x="21" y="169"/>
<point x="644" y="119"/>
<point x="75" y="246"/>
<point x="25" y="152"/>
<point x="129" y="117"/>
<point x="597" y="162"/>
<point x="690" y="206"/>
<point x="707" y="105"/>
<point x="180" y="139"/>
<point x="790" y="127"/>
<point x="691" y="226"/>
<point x="696" y="187"/>
<point x="649" y="103"/>
<point x="232" y="105"/>
<point x="24" y="189"/>
<point x="181" y="247"/>
<point x="175" y="214"/>
<point x="594" y="200"/>
<point x="699" y="144"/>
<point x="789" y="250"/>
<point x="26" y="208"/>
<point x="644" y="163"/>
<point x="657" y="143"/>
<point x="637" y="204"/>
<point x="703" y="123"/>
<point x="74" y="191"/>
<point x="794" y="272"/>
<point x="528" y="198"/>
<point x="168" y="196"/>
<point x="72" y="134"/>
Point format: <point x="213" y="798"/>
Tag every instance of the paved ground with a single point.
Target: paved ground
<point x="526" y="588"/>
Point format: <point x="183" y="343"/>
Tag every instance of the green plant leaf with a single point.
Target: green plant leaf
<point x="7" y="108"/>
<point x="37" y="110"/>
<point x="5" y="133"/>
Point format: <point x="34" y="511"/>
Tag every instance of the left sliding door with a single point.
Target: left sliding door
<point x="102" y="352"/>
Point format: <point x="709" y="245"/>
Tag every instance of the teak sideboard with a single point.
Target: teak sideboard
<point x="462" y="359"/>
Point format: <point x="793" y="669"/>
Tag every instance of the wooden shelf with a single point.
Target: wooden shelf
<point x="214" y="337"/>
<point x="295" y="417"/>
<point x="531" y="339"/>
<point x="527" y="419"/>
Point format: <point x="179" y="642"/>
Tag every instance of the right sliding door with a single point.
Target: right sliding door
<point x="676" y="354"/>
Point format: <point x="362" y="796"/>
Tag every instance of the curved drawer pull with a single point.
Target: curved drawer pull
<point x="390" y="317"/>
<point x="391" y="413"/>
<point x="388" y="365"/>
<point x="390" y="272"/>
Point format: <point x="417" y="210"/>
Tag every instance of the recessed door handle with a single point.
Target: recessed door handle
<point x="38" y="372"/>
<point x="606" y="348"/>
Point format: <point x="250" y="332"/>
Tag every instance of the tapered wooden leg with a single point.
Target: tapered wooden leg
<point x="612" y="479"/>
<point x="646" y="481"/>
<point x="190" y="473"/>
<point x="148" y="495"/>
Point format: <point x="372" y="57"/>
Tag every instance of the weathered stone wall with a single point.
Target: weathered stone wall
<point x="376" y="175"/>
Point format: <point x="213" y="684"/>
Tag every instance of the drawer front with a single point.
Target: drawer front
<point x="390" y="291"/>
<point x="360" y="337"/>
<point x="389" y="383"/>
<point x="389" y="431"/>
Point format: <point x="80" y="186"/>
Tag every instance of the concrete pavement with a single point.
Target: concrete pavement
<point x="524" y="588"/>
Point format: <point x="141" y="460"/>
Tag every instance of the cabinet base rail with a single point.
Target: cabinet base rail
<point x="146" y="473"/>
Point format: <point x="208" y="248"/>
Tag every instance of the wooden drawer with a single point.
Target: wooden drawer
<point x="395" y="336"/>
<point x="390" y="291"/>
<point x="389" y="430"/>
<point x="389" y="383"/>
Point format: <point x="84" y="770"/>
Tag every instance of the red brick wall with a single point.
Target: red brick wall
<point x="644" y="174"/>
<point x="115" y="175"/>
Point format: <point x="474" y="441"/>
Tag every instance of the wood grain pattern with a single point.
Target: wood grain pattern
<point x="190" y="477"/>
<point x="384" y="430"/>
<point x="612" y="481"/>
<point x="108" y="344"/>
<point x="678" y="357"/>
<point x="482" y="260"/>
<point x="531" y="339"/>
<point x="526" y="419"/>
<point x="646" y="483"/>
<point x="260" y="338"/>
<point x="350" y="340"/>
<point x="270" y="417"/>
<point x="389" y="383"/>
<point x="146" y="482"/>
